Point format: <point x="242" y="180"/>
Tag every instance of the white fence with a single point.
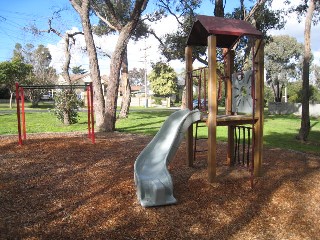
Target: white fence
<point x="140" y="102"/>
<point x="292" y="108"/>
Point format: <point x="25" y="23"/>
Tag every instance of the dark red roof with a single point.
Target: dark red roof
<point x="227" y="31"/>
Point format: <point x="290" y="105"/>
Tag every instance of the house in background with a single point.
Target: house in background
<point x="82" y="79"/>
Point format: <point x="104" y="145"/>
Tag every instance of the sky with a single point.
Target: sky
<point x="16" y="16"/>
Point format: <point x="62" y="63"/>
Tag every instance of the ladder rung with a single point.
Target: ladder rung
<point x="205" y="150"/>
<point x="201" y="138"/>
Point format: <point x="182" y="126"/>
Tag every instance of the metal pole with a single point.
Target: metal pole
<point x="88" y="105"/>
<point x="24" y="131"/>
<point x="92" y="114"/>
<point x="18" y="113"/>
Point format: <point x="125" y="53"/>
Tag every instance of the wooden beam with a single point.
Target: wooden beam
<point x="189" y="97"/>
<point x="229" y="66"/>
<point x="212" y="108"/>
<point x="258" y="129"/>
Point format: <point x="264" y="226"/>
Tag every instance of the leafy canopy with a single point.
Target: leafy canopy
<point x="163" y="79"/>
<point x="283" y="62"/>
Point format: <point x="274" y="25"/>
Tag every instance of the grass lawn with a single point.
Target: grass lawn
<point x="279" y="130"/>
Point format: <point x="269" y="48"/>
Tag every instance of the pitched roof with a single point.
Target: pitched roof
<point x="227" y="31"/>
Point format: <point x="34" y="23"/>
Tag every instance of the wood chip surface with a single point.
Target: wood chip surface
<point x="61" y="186"/>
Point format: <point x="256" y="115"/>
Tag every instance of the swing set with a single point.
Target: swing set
<point x="21" y="116"/>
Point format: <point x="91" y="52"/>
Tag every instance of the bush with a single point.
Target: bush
<point x="66" y="106"/>
<point x="157" y="100"/>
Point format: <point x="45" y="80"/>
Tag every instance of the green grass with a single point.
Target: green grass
<point x="279" y="131"/>
<point x="40" y="122"/>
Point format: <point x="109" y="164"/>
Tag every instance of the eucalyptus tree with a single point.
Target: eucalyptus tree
<point x="311" y="10"/>
<point x="283" y="62"/>
<point x="114" y="16"/>
<point x="126" y="31"/>
<point x="83" y="9"/>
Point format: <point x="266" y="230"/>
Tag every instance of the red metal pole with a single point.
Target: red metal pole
<point x="18" y="112"/>
<point x="88" y="105"/>
<point x="24" y="131"/>
<point x="92" y="114"/>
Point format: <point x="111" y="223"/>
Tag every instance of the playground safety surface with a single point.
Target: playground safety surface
<point x="61" y="186"/>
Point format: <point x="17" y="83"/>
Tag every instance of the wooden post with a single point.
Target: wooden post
<point x="189" y="93"/>
<point x="228" y="72"/>
<point x="212" y="108"/>
<point x="258" y="129"/>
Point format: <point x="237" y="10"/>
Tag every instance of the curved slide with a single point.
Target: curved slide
<point x="151" y="176"/>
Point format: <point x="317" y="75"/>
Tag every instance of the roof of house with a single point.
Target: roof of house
<point x="227" y="31"/>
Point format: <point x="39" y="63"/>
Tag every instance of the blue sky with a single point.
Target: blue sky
<point x="17" y="14"/>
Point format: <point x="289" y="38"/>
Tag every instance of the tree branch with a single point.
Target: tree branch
<point x="105" y="20"/>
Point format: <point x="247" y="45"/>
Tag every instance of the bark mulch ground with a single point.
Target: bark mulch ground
<point x="61" y="186"/>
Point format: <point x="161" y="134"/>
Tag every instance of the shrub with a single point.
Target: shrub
<point x="66" y="106"/>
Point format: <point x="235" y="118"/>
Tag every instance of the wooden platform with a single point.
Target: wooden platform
<point x="231" y="120"/>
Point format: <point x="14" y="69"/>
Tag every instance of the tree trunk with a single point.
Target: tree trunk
<point x="99" y="105"/>
<point x="115" y="66"/>
<point x="305" y="118"/>
<point x="218" y="8"/>
<point x="126" y="88"/>
<point x="66" y="76"/>
<point x="113" y="83"/>
<point x="125" y="33"/>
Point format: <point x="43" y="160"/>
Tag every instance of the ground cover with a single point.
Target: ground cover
<point x="61" y="186"/>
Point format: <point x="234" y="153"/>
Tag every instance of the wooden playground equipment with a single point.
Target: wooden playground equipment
<point x="243" y="91"/>
<point x="21" y="116"/>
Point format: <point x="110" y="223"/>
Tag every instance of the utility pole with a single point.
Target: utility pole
<point x="145" y="74"/>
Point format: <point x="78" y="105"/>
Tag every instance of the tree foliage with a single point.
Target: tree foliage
<point x="14" y="71"/>
<point x="136" y="76"/>
<point x="66" y="106"/>
<point x="163" y="79"/>
<point x="78" y="70"/>
<point x="283" y="62"/>
<point x="172" y="45"/>
<point x="42" y="73"/>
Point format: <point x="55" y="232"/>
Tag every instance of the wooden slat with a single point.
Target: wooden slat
<point x="189" y="93"/>
<point x="229" y="65"/>
<point x="259" y="77"/>
<point x="213" y="108"/>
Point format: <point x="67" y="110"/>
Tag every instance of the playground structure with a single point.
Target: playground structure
<point x="21" y="118"/>
<point x="244" y="90"/>
<point x="244" y="94"/>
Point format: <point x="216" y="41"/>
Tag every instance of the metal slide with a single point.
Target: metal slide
<point x="151" y="176"/>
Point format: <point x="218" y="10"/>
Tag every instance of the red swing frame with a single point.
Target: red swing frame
<point x="21" y="118"/>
